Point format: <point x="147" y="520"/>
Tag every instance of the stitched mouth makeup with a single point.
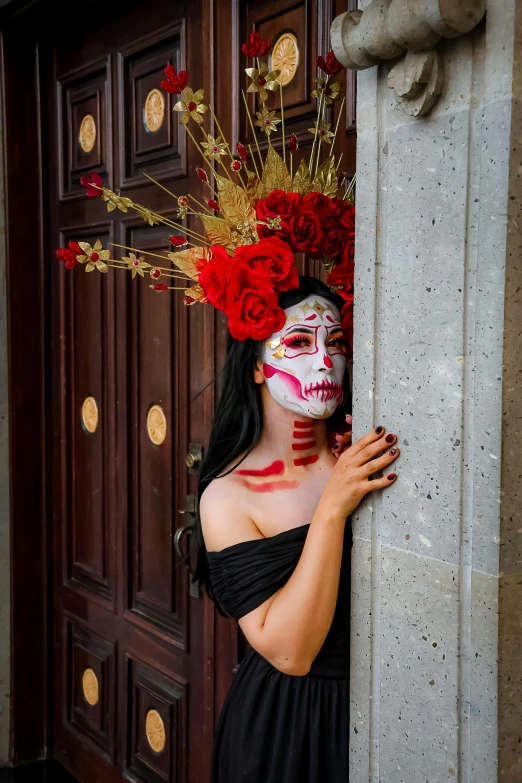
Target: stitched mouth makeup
<point x="324" y="391"/>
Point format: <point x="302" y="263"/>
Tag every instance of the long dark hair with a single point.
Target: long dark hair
<point x="238" y="418"/>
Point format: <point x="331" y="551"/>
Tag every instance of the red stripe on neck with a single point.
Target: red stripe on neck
<point x="301" y="425"/>
<point x="303" y="434"/>
<point x="303" y="446"/>
<point x="306" y="460"/>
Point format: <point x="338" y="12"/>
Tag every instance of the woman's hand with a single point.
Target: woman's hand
<point x="349" y="482"/>
<point x="343" y="439"/>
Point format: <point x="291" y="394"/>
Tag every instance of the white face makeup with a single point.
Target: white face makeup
<point x="304" y="363"/>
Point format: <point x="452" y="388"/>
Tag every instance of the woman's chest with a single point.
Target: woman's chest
<point x="282" y="509"/>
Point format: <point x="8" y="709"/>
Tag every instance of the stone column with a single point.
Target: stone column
<point x="437" y="558"/>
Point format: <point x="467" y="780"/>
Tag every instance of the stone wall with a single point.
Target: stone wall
<point x="438" y="352"/>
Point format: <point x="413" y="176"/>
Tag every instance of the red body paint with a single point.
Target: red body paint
<point x="275" y="469"/>
<point x="306" y="460"/>
<point x="303" y="446"/>
<point x="304" y="430"/>
<point x="291" y="381"/>
<point x="269" y="486"/>
<point x="328" y="362"/>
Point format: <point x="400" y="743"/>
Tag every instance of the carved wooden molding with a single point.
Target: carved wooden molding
<point x="409" y="29"/>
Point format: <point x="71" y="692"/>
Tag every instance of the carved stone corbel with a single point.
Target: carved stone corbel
<point x="409" y="29"/>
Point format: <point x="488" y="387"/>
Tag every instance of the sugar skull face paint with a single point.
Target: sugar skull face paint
<point x="304" y="363"/>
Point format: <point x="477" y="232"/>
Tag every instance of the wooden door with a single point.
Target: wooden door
<point x="113" y="382"/>
<point x="131" y="661"/>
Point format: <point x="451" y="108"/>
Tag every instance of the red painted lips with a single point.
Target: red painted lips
<point x="324" y="391"/>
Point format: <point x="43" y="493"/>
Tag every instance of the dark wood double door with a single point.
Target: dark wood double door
<point x="140" y="662"/>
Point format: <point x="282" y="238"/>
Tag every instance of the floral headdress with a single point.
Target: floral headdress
<point x="258" y="215"/>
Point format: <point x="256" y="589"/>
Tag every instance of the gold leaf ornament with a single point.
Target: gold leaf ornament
<point x="191" y="106"/>
<point x="302" y="182"/>
<point x="197" y="294"/>
<point x="322" y="131"/>
<point x="136" y="264"/>
<point x="115" y="201"/>
<point x="263" y="80"/>
<point x="189" y="260"/>
<point x="267" y="121"/>
<point x="94" y="257"/>
<point x="234" y="202"/>
<point x="218" y="231"/>
<point x="325" y="180"/>
<point x="331" y="92"/>
<point x="214" y="148"/>
<point x="275" y="174"/>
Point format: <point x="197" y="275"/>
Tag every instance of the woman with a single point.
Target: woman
<point x="275" y="547"/>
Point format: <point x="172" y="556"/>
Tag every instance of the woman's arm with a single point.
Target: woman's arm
<point x="290" y="627"/>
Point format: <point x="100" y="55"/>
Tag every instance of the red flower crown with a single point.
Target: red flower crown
<point x="258" y="217"/>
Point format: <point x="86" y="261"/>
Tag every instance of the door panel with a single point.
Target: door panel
<point x="157" y="358"/>
<point x="89" y="536"/>
<point x="129" y="642"/>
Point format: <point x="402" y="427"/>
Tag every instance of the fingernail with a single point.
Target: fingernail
<point x="378" y="429"/>
<point x="392" y="452"/>
<point x="390" y="438"/>
<point x="335" y="447"/>
<point x="391" y="476"/>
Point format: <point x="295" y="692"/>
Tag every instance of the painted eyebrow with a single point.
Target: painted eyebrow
<point x="305" y="329"/>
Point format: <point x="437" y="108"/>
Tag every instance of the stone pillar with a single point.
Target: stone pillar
<point x="437" y="557"/>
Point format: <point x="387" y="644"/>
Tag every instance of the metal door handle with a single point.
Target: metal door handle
<point x="177" y="536"/>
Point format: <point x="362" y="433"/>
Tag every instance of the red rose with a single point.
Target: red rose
<point x="252" y="307"/>
<point x="255" y="46"/>
<point x="214" y="277"/>
<point x="278" y="204"/>
<point x="175" y="82"/>
<point x="329" y="64"/>
<point x="69" y="254"/>
<point x="317" y="201"/>
<point x="335" y="210"/>
<point x="274" y="258"/>
<point x="307" y="232"/>
<point x="283" y="205"/>
<point x="347" y="258"/>
<point x="347" y="216"/>
<point x="333" y="242"/>
<point x="342" y="275"/>
<point x="93" y="184"/>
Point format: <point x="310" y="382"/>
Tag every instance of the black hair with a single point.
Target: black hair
<point x="238" y="418"/>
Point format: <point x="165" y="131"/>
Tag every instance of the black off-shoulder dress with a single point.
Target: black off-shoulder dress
<point x="276" y="727"/>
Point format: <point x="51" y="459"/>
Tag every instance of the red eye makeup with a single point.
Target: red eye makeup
<point x="298" y="341"/>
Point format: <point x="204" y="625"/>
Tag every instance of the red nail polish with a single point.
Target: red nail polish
<point x="389" y="438"/>
<point x="391" y="476"/>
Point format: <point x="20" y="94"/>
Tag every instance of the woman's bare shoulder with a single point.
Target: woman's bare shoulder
<point x="224" y="513"/>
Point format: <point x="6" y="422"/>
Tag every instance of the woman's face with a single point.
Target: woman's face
<point x="304" y="363"/>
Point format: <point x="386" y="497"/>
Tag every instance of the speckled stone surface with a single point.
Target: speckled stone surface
<point x="438" y="358"/>
<point x="5" y="638"/>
